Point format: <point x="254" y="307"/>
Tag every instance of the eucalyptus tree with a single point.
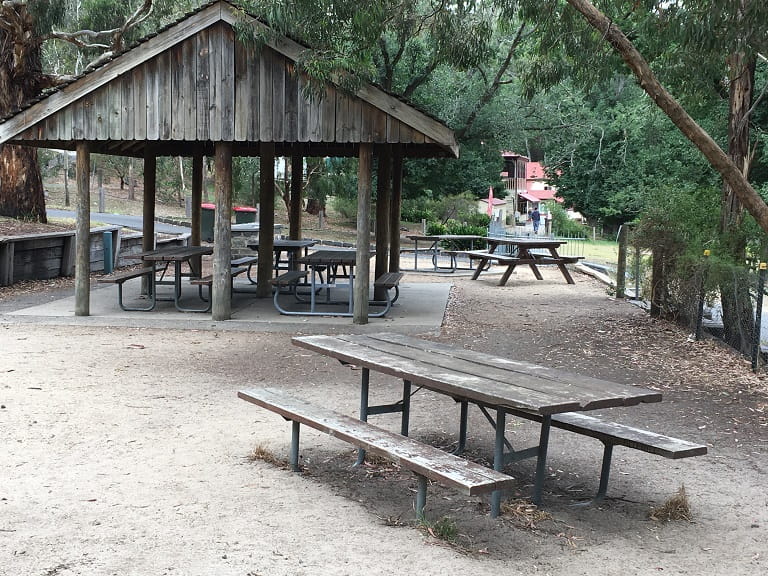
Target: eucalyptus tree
<point x="39" y="29"/>
<point x="450" y="58"/>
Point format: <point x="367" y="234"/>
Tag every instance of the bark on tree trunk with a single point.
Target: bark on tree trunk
<point x="21" y="186"/>
<point x="738" y="323"/>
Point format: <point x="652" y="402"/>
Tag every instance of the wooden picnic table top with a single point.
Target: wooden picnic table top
<point x="174" y="253"/>
<point x="285" y="243"/>
<point x="527" y="242"/>
<point x="330" y="256"/>
<point x="438" y="237"/>
<point x="475" y="376"/>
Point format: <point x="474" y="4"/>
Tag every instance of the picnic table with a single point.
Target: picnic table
<point x="292" y="249"/>
<point x="526" y="250"/>
<point x="160" y="260"/>
<point x="501" y="386"/>
<point x="453" y="241"/>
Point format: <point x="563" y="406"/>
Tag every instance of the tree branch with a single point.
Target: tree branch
<point x="664" y="100"/>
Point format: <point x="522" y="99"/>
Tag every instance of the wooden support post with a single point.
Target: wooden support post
<point x="266" y="218"/>
<point x="196" y="211"/>
<point x="363" y="262"/>
<point x="148" y="223"/>
<point x="395" y="207"/>
<point x="297" y="179"/>
<point x="221" y="293"/>
<point x="83" y="228"/>
<point x="383" y="187"/>
<point x="197" y="198"/>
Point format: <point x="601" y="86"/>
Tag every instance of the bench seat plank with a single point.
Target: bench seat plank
<point x="433" y="463"/>
<point x="122" y="276"/>
<point x="289" y="278"/>
<point x="623" y="435"/>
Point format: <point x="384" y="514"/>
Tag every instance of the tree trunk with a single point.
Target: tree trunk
<point x="21" y="186"/>
<point x="738" y="323"/>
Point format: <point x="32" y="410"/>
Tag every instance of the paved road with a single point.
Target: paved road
<point x="133" y="222"/>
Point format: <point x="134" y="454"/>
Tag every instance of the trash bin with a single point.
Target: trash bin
<point x="207" y="220"/>
<point x="244" y="214"/>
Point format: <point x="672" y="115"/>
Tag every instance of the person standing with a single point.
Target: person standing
<point x="536" y="219"/>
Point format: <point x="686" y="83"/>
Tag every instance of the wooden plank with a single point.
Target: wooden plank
<point x="215" y="89"/>
<point x="342" y="117"/>
<point x="316" y="117"/>
<point x="354" y="120"/>
<point x="6" y="263"/>
<point x="165" y="96"/>
<point x="328" y="116"/>
<point x="367" y="114"/>
<point x="278" y="97"/>
<point x="515" y="372"/>
<point x="448" y="469"/>
<point x="393" y="130"/>
<point x="152" y="89"/>
<point x="177" y="94"/>
<point x="242" y="92"/>
<point x="406" y="134"/>
<point x="78" y="132"/>
<point x="291" y="103"/>
<point x="189" y="93"/>
<point x="265" y="95"/>
<point x="226" y="109"/>
<point x="126" y="120"/>
<point x="139" y="104"/>
<point x="303" y="111"/>
<point x="591" y="396"/>
<point x="458" y="385"/>
<point x="115" y="110"/>
<point x="628" y="436"/>
<point x="379" y="127"/>
<point x="204" y="88"/>
<point x="255" y="90"/>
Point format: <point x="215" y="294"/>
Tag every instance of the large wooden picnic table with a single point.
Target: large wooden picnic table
<point x="490" y="382"/>
<point x="454" y="242"/>
<point x="523" y="253"/>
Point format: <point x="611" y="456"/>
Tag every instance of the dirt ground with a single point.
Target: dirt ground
<point x="127" y="452"/>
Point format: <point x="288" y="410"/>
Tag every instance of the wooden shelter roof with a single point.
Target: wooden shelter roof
<point x="193" y="84"/>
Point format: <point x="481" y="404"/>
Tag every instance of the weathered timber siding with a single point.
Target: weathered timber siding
<point x="209" y="87"/>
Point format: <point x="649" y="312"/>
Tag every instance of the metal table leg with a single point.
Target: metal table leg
<point x="498" y="459"/>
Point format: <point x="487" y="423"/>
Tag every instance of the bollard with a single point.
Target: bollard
<point x="758" y="317"/>
<point x="700" y="314"/>
<point x="108" y="261"/>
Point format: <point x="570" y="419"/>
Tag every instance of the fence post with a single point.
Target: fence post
<point x="758" y="317"/>
<point x="621" y="266"/>
<point x="700" y="313"/>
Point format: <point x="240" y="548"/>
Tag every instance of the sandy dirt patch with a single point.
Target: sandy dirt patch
<point x="126" y="452"/>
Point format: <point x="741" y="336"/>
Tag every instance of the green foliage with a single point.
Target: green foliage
<point x="563" y="226"/>
<point x="628" y="151"/>
<point x="345" y="206"/>
<point x="416" y="210"/>
<point x="245" y="180"/>
<point x="459" y="229"/>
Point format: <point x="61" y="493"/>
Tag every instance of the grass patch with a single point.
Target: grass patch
<point x="676" y="507"/>
<point x="444" y="529"/>
<point x="264" y="454"/>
